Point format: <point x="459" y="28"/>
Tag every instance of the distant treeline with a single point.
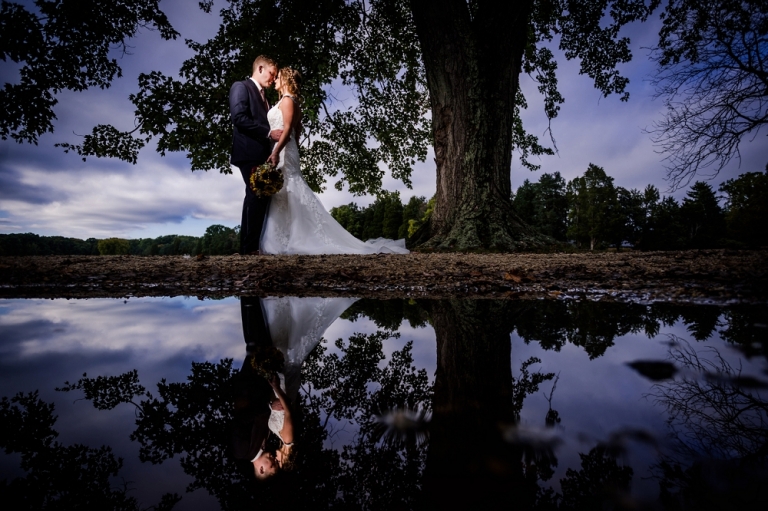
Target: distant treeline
<point x="591" y="212"/>
<point x="387" y="217"/>
<point x="217" y="240"/>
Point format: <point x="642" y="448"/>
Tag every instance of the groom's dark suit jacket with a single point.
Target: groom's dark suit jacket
<point x="251" y="146"/>
<point x="250" y="138"/>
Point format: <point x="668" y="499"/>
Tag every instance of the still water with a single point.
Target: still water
<point x="128" y="404"/>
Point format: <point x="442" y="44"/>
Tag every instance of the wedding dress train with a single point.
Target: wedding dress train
<point x="296" y="326"/>
<point x="297" y="222"/>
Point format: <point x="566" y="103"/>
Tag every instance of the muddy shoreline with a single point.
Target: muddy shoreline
<point x="694" y="276"/>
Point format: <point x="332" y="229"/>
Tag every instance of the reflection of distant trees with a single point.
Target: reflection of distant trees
<point x="595" y="325"/>
<point x="388" y="314"/>
<point x="602" y="483"/>
<point x="746" y="328"/>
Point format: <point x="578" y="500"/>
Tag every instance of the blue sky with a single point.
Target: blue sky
<point x="44" y="191"/>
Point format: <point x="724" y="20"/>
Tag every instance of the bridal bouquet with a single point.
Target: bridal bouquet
<point x="267" y="360"/>
<point x="266" y="180"/>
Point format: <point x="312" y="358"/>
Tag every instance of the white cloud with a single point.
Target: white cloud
<point x="127" y="200"/>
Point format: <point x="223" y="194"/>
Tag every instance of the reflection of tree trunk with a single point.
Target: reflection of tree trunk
<point x="468" y="460"/>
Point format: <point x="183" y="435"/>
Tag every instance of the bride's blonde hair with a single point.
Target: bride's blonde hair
<point x="291" y="79"/>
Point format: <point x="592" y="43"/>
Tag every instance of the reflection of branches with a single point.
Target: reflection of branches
<point x="552" y="417"/>
<point x="59" y="476"/>
<point x="351" y="387"/>
<point x="713" y="415"/>
<point x="527" y="383"/>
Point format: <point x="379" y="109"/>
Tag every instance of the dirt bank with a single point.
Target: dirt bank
<point x="715" y="276"/>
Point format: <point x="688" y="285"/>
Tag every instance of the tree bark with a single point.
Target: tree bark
<point x="472" y="62"/>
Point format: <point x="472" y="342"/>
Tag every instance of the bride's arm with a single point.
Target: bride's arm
<point x="287" y="432"/>
<point x="287" y="108"/>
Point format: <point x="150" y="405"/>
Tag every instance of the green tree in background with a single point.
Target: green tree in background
<point x="669" y="230"/>
<point x="650" y="198"/>
<point x="114" y="246"/>
<point x="412" y="212"/>
<point x="414" y="224"/>
<point x="387" y="217"/>
<point x="31" y="244"/>
<point x="544" y="205"/>
<point x="553" y="206"/>
<point x="746" y="207"/>
<point x="393" y="214"/>
<point x="220" y="240"/>
<point x="525" y="202"/>
<point x="593" y="210"/>
<point x="632" y="217"/>
<point x="350" y="217"/>
<point x="703" y="216"/>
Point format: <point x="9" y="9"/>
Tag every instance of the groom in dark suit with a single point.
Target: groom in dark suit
<point x="252" y="144"/>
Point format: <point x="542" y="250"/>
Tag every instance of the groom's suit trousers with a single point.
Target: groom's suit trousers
<point x="254" y="214"/>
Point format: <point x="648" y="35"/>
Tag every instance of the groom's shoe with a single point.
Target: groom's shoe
<point x="255" y="252"/>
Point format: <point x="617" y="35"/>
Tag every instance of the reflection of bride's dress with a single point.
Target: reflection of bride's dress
<point x="296" y="326"/>
<point x="297" y="222"/>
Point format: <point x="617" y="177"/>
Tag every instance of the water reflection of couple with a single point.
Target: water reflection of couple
<point x="279" y="334"/>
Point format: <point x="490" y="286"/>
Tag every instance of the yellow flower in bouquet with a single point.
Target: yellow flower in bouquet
<point x="266" y="180"/>
<point x="267" y="361"/>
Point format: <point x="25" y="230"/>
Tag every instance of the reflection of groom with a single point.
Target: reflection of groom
<point x="252" y="144"/>
<point x="252" y="394"/>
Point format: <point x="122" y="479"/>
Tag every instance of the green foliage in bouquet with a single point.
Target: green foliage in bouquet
<point x="267" y="360"/>
<point x="266" y="180"/>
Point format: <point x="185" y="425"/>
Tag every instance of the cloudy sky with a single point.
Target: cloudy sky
<point x="47" y="192"/>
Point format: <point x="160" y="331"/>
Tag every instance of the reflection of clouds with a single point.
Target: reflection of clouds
<point x="163" y="328"/>
<point x="47" y="342"/>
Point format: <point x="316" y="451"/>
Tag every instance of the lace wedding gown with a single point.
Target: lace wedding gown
<point x="297" y="222"/>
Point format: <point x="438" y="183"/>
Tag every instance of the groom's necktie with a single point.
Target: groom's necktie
<point x="264" y="98"/>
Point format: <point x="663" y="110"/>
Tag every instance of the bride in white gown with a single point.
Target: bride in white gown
<point x="297" y="222"/>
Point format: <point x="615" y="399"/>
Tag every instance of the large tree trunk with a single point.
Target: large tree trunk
<point x="472" y="62"/>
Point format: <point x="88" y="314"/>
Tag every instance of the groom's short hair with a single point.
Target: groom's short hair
<point x="263" y="60"/>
